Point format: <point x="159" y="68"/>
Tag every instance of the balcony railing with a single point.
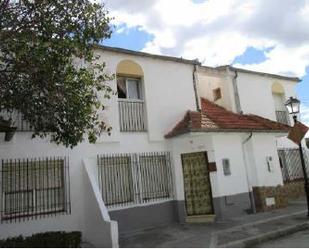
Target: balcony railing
<point x="132" y="115"/>
<point x="282" y="117"/>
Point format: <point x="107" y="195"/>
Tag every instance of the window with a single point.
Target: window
<point x="116" y="174"/>
<point x="129" y="179"/>
<point x="217" y="94"/>
<point x="129" y="88"/>
<point x="34" y="188"/>
<point x="154" y="175"/>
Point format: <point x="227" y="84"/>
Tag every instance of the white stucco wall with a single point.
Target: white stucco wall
<point x="190" y="143"/>
<point x="99" y="229"/>
<point x="168" y="91"/>
<point x="218" y="146"/>
<point x="247" y="160"/>
<point x="255" y="93"/>
<point x="264" y="145"/>
<point x="169" y="94"/>
<point x="229" y="146"/>
<point x="210" y="79"/>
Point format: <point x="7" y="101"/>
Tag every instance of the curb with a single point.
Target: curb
<point x="252" y="241"/>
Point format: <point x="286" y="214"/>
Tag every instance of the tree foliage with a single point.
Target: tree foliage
<point x="48" y="71"/>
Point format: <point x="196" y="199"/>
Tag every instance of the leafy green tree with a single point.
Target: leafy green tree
<point x="48" y="70"/>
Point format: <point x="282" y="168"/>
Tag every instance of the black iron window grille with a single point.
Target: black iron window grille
<point x="34" y="188"/>
<point x="291" y="165"/>
<point x="129" y="179"/>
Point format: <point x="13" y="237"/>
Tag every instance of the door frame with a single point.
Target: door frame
<point x="208" y="176"/>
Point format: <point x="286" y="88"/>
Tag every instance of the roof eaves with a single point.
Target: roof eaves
<point x="239" y="130"/>
<point x="149" y="55"/>
<point x="296" y="79"/>
<point x="220" y="130"/>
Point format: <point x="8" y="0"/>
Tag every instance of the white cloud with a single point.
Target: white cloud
<point x="305" y="116"/>
<point x="217" y="31"/>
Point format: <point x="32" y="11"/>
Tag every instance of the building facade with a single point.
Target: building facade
<point x="160" y="165"/>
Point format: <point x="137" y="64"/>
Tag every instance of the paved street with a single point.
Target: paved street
<point x="299" y="240"/>
<point x="222" y="233"/>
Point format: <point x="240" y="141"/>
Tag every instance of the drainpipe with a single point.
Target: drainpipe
<point x="236" y="93"/>
<point x="251" y="196"/>
<point x="195" y="86"/>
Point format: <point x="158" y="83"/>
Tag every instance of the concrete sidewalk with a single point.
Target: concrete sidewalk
<point x="242" y="231"/>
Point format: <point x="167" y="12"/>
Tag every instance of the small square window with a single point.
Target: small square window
<point x="226" y="167"/>
<point x="217" y="94"/>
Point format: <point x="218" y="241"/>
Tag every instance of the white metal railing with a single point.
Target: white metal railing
<point x="132" y="115"/>
<point x="282" y="117"/>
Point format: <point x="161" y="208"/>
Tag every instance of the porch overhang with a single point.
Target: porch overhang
<point x="216" y="119"/>
<point x="192" y="131"/>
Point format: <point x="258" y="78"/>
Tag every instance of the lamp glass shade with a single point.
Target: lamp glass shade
<point x="293" y="105"/>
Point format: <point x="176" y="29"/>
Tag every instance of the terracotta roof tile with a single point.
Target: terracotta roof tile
<point x="216" y="118"/>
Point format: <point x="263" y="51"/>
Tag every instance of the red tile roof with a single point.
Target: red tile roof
<point x="215" y="118"/>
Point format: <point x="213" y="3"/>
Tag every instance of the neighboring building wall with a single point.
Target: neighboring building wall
<point x="256" y="95"/>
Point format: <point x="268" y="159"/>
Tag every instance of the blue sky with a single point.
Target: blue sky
<point x="256" y="34"/>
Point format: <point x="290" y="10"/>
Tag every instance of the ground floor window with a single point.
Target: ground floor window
<point x="290" y="163"/>
<point x="33" y="188"/>
<point x="128" y="179"/>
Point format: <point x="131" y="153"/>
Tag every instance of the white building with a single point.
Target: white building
<point x="152" y="169"/>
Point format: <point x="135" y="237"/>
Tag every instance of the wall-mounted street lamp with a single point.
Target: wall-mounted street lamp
<point x="293" y="106"/>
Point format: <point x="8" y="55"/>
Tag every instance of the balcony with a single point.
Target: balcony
<point x="132" y="115"/>
<point x="282" y="117"/>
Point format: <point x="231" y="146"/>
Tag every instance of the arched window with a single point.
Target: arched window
<point x="129" y="80"/>
<point x="279" y="100"/>
<point x="130" y="97"/>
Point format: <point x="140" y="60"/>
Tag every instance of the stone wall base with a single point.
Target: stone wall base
<point x="270" y="198"/>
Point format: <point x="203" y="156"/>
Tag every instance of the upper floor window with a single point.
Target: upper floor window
<point x="279" y="99"/>
<point x="131" y="106"/>
<point x="129" y="88"/>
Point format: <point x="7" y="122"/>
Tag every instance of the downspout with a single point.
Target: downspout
<point x="251" y="196"/>
<point x="197" y="102"/>
<point x="236" y="93"/>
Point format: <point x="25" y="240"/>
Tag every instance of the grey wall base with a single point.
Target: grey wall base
<point x="134" y="219"/>
<point x="230" y="206"/>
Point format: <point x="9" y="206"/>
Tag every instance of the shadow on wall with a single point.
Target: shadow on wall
<point x="307" y="142"/>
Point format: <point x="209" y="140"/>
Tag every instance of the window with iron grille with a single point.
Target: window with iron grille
<point x="34" y="188"/>
<point x="116" y="175"/>
<point x="128" y="179"/>
<point x="154" y="177"/>
<point x="290" y="163"/>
